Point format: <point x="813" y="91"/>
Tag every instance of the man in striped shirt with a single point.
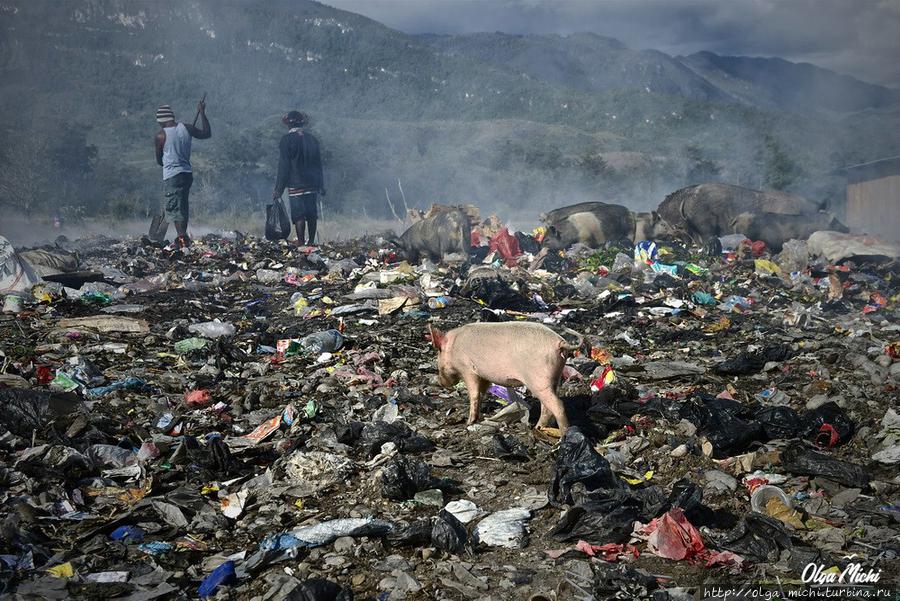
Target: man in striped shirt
<point x="300" y="171"/>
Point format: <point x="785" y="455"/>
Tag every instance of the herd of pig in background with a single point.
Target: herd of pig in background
<point x="694" y="214"/>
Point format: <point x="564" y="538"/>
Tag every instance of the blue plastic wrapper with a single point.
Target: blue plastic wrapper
<point x="664" y="268"/>
<point x="131" y="534"/>
<point x="704" y="298"/>
<point x="646" y="251"/>
<point x="126" y="384"/>
<point x="155" y="548"/>
<point x="224" y="574"/>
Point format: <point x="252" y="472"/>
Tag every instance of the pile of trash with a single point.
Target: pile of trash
<point x="246" y="419"/>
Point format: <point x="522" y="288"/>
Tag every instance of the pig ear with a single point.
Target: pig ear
<point x="437" y="337"/>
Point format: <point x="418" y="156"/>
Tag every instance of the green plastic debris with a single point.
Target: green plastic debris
<point x="189" y="344"/>
<point x="311" y="409"/>
<point x="95" y="297"/>
<point x="696" y="269"/>
<point x="64" y="383"/>
<point x="704" y="298"/>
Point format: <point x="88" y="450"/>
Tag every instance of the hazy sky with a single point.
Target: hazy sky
<point x="857" y="37"/>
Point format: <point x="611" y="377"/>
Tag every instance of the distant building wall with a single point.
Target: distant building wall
<point x="873" y="206"/>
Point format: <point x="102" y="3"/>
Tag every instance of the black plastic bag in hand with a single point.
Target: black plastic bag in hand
<point x="278" y="226"/>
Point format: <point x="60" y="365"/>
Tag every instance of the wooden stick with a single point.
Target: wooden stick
<point x="403" y="196"/>
<point x="391" y="205"/>
<point x="197" y="116"/>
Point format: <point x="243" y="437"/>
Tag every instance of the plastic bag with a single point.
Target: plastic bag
<point x="758" y="538"/>
<point x="507" y="245"/>
<point x="416" y="534"/>
<point x="318" y="589"/>
<point x="829" y="425"/>
<point x="729" y="434"/>
<point x="403" y="477"/>
<point x="278" y="226"/>
<point x="597" y="527"/>
<point x="578" y="462"/>
<point x="507" y="447"/>
<point x="448" y="534"/>
<point x="749" y="362"/>
<point x="794" y="256"/>
<point x="780" y="422"/>
<point x="805" y="462"/>
<point x="376" y="434"/>
<point x="503" y="529"/>
<point x="224" y="574"/>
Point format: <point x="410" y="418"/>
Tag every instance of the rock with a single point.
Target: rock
<point x="719" y="482"/>
<point x="344" y="545"/>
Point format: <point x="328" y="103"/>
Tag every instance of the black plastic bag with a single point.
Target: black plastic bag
<point x="159" y="227"/>
<point x="620" y="581"/>
<point x="527" y="243"/>
<point x="507" y="447"/>
<point x="597" y="527"/>
<point x="348" y="433"/>
<point x="318" y="589"/>
<point x="829" y="425"/>
<point x="801" y="461"/>
<point x="278" y="226"/>
<point x="27" y="409"/>
<point x="578" y="462"/>
<point x="497" y="294"/>
<point x="758" y="538"/>
<point x="375" y="434"/>
<point x="403" y="477"/>
<point x="448" y="533"/>
<point x="750" y="362"/>
<point x="689" y="497"/>
<point x="730" y="435"/>
<point x="691" y="409"/>
<point x="780" y="422"/>
<point x="416" y="534"/>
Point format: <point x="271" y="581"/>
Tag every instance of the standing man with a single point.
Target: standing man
<point x="173" y="154"/>
<point x="300" y="171"/>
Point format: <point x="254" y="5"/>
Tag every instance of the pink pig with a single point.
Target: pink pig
<point x="508" y="354"/>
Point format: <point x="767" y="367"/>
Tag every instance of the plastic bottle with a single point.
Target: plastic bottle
<point x="212" y="329"/>
<point x="438" y="302"/>
<point x="323" y="342"/>
<point x="12" y="303"/>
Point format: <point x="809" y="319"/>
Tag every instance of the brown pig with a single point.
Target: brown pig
<point x="508" y="354"/>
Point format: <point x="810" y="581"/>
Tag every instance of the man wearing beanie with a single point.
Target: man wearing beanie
<point x="173" y="154"/>
<point x="300" y="171"/>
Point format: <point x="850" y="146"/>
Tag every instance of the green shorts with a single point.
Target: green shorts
<point x="177" y="188"/>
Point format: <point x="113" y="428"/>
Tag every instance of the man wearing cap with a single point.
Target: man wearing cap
<point x="300" y="171"/>
<point x="173" y="154"/>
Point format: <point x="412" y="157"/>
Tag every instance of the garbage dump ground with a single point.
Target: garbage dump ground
<point x="244" y="419"/>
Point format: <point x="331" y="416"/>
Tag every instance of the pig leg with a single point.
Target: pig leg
<point x="544" y="419"/>
<point x="476" y="387"/>
<point x="552" y="404"/>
